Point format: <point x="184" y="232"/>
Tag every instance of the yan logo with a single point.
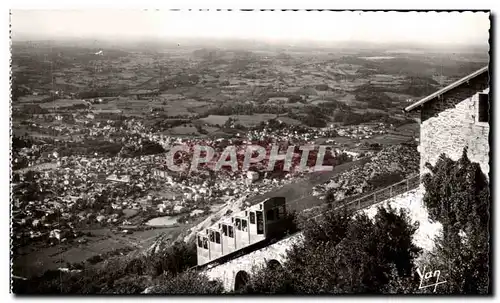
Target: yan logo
<point x="429" y="277"/>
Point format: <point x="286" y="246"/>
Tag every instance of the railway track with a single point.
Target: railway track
<point x="352" y="204"/>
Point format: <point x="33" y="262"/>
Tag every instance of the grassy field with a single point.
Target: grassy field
<point x="386" y="80"/>
<point x="215" y="120"/>
<point x="401" y="134"/>
<point x="410" y="127"/>
<point x="32" y="99"/>
<point x="31" y="261"/>
<point x="252" y="120"/>
<point x="388" y="139"/>
<point x="368" y="110"/>
<point x="350" y="100"/>
<point x="289" y="121"/>
<point x="183" y="130"/>
<point x="172" y="107"/>
<point x="400" y="97"/>
<point x="61" y="103"/>
<point x="244" y="120"/>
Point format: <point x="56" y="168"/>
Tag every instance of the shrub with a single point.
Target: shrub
<point x="386" y="179"/>
<point x="341" y="254"/>
<point x="175" y="259"/>
<point x="269" y="280"/>
<point x="458" y="196"/>
<point x="189" y="282"/>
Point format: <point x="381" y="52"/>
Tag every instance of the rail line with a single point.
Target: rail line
<point x="353" y="205"/>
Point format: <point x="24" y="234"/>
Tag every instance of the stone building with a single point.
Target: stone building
<point x="455" y="117"/>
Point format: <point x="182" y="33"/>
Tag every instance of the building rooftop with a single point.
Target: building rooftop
<point x="447" y="88"/>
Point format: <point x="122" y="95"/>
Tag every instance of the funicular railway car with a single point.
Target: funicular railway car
<point x="234" y="233"/>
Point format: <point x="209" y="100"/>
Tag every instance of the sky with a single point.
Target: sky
<point x="384" y="27"/>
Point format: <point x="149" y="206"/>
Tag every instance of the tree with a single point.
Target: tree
<point x="270" y="280"/>
<point x="458" y="196"/>
<point x="189" y="282"/>
<point x="345" y="254"/>
<point x="331" y="227"/>
<point x="175" y="259"/>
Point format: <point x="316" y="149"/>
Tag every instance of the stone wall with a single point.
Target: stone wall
<point x="448" y="125"/>
<point x="411" y="201"/>
<point x="253" y="261"/>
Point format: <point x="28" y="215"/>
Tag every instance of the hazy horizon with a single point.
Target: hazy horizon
<point x="430" y="29"/>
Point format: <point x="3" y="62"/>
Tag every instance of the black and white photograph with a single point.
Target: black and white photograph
<point x="250" y="152"/>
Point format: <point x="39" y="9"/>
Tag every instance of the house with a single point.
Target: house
<point x="455" y="117"/>
<point x="163" y="174"/>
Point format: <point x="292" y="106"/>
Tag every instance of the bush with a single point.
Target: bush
<point x="189" y="282"/>
<point x="331" y="227"/>
<point x="269" y="280"/>
<point x="341" y="254"/>
<point x="386" y="179"/>
<point x="458" y="196"/>
<point x="131" y="284"/>
<point x="175" y="259"/>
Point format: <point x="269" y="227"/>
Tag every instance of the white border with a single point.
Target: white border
<point x="4" y="112"/>
<point x="260" y="4"/>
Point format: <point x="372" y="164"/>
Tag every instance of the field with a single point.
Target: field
<point x="289" y="121"/>
<point x="215" y="120"/>
<point x="62" y="103"/>
<point x="244" y="120"/>
<point x="400" y="135"/>
<point x="170" y="106"/>
<point x="368" y="110"/>
<point x="32" y="261"/>
<point x="33" y="99"/>
<point x="183" y="130"/>
<point x="379" y="79"/>
<point x="252" y="120"/>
